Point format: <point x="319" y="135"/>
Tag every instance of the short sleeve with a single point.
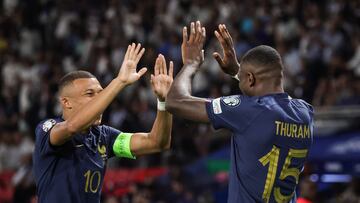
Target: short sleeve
<point x="231" y="112"/>
<point x="110" y="134"/>
<point x="42" y="137"/>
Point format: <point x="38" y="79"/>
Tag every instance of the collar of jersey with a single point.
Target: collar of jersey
<point x="283" y="95"/>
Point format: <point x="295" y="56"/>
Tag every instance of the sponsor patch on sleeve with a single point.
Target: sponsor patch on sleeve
<point x="231" y="101"/>
<point x="216" y="106"/>
<point x="47" y="125"/>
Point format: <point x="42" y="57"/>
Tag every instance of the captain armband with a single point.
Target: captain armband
<point x="121" y="146"/>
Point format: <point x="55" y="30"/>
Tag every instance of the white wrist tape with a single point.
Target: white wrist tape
<point x="160" y="105"/>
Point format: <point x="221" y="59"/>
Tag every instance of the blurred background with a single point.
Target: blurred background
<point x="41" y="40"/>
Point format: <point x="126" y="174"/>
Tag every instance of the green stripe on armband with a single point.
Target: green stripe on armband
<point x="121" y="146"/>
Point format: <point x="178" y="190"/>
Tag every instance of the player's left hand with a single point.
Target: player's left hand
<point x="192" y="47"/>
<point x="162" y="79"/>
<point x="229" y="63"/>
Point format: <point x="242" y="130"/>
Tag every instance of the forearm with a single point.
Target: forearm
<point x="180" y="102"/>
<point x="156" y="140"/>
<point x="161" y="130"/>
<point x="86" y="115"/>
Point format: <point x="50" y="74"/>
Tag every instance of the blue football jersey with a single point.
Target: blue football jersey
<point x="271" y="138"/>
<point x="74" y="171"/>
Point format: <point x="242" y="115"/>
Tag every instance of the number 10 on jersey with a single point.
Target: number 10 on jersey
<point x="272" y="159"/>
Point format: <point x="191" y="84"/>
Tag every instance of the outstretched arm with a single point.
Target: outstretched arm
<point x="159" y="137"/>
<point x="179" y="101"/>
<point x="84" y="117"/>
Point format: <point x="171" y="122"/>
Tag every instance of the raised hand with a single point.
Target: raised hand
<point x="162" y="79"/>
<point x="229" y="64"/>
<point x="192" y="47"/>
<point x="127" y="73"/>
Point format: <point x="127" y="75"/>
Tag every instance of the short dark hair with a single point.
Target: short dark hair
<point x="263" y="56"/>
<point x="70" y="77"/>
<point x="265" y="60"/>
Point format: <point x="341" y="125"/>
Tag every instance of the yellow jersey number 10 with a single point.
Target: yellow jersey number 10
<point x="272" y="159"/>
<point x="93" y="180"/>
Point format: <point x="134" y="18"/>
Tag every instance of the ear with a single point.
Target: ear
<point x="65" y="103"/>
<point x="251" y="79"/>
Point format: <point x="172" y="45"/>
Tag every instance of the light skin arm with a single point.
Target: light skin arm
<point x="84" y="117"/>
<point x="180" y="102"/>
<point x="158" y="139"/>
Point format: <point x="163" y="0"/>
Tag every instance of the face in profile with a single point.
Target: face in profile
<point x="81" y="91"/>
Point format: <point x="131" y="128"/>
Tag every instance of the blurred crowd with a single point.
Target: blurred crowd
<point x="41" y="40"/>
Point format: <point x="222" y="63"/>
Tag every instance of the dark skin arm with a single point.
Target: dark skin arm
<point x="229" y="63"/>
<point x="179" y="100"/>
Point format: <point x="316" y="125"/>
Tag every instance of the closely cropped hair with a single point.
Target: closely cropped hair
<point x="263" y="55"/>
<point x="70" y="77"/>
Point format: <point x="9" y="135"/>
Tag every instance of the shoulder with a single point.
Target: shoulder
<point x="46" y="124"/>
<point x="303" y="104"/>
<point x="234" y="101"/>
<point x="236" y="105"/>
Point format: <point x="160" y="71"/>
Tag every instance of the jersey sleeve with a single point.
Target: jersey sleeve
<point x="231" y="112"/>
<point x="118" y="143"/>
<point x="111" y="134"/>
<point x="42" y="137"/>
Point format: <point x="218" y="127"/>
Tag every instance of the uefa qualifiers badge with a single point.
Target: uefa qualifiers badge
<point x="48" y="125"/>
<point x="232" y="101"/>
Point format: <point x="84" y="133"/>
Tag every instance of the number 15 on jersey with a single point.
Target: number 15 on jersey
<point x="272" y="159"/>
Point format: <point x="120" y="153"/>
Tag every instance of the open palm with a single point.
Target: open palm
<point x="229" y="63"/>
<point x="128" y="73"/>
<point x="162" y="79"/>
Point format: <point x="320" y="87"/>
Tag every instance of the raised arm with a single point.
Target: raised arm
<point x="159" y="137"/>
<point x="179" y="101"/>
<point x="86" y="115"/>
<point x="229" y="63"/>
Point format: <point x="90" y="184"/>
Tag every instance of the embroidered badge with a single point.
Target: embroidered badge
<point x="48" y="125"/>
<point x="231" y="100"/>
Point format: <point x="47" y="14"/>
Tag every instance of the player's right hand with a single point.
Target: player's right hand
<point x="162" y="79"/>
<point x="229" y="64"/>
<point x="192" y="47"/>
<point x="127" y="73"/>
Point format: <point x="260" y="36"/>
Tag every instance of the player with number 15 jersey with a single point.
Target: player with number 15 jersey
<point x="272" y="132"/>
<point x="271" y="138"/>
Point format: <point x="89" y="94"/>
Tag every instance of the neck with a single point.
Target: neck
<point x="65" y="115"/>
<point x="265" y="89"/>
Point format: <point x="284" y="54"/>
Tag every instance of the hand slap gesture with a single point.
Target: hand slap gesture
<point x="162" y="79"/>
<point x="127" y="73"/>
<point x="229" y="64"/>
<point x="192" y="47"/>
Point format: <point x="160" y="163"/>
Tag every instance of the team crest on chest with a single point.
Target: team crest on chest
<point x="102" y="151"/>
<point x="47" y="125"/>
<point x="231" y="100"/>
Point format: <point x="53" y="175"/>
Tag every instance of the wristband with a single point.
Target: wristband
<point x="236" y="77"/>
<point x="160" y="105"/>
